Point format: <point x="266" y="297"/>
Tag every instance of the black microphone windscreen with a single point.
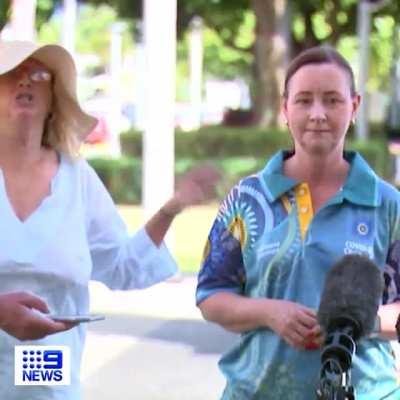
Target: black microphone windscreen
<point x="353" y="288"/>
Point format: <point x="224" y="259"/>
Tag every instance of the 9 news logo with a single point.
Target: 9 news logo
<point x="42" y="365"/>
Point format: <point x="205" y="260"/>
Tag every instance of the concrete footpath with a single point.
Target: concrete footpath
<point x="153" y="345"/>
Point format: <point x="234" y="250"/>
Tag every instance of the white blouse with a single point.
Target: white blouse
<point x="75" y="235"/>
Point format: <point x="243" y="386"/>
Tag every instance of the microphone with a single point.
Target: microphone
<point x="349" y="304"/>
<point x="353" y="290"/>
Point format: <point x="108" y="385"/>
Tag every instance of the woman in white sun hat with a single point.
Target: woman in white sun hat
<point x="60" y="227"/>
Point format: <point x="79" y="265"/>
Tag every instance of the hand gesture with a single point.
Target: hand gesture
<point x="18" y="319"/>
<point x="296" y="324"/>
<point x="197" y="185"/>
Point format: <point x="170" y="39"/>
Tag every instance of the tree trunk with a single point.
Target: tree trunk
<point x="270" y="52"/>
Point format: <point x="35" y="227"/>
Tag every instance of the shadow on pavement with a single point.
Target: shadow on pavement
<point x="203" y="337"/>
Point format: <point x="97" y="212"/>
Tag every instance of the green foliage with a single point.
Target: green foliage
<point x="131" y="143"/>
<point x="381" y="53"/>
<point x="229" y="62"/>
<point x="122" y="177"/>
<point x="298" y="28"/>
<point x="237" y="152"/>
<point x="320" y="26"/>
<point x="93" y="31"/>
<point x="44" y="11"/>
<point x="225" y="15"/>
<point x="222" y="60"/>
<point x="375" y="152"/>
<point x="50" y="32"/>
<point x="4" y="12"/>
<point x="130" y="9"/>
<point x="215" y="142"/>
<point x="230" y="34"/>
<point x="335" y="22"/>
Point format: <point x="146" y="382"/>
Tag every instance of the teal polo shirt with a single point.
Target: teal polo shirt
<point x="266" y="242"/>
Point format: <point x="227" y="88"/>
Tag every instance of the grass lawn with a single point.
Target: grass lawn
<point x="190" y="230"/>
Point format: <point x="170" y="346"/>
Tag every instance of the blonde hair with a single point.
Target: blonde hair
<point x="66" y="126"/>
<point x="59" y="136"/>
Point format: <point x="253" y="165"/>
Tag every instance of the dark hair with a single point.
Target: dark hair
<point x="319" y="55"/>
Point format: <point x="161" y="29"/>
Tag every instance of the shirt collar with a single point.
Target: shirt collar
<point x="361" y="186"/>
<point x="276" y="182"/>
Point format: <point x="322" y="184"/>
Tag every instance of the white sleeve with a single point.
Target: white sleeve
<point x="120" y="261"/>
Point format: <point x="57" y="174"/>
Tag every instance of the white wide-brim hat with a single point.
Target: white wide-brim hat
<point x="61" y="64"/>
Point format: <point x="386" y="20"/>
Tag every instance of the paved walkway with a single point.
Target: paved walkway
<point x="153" y="345"/>
<point x="172" y="299"/>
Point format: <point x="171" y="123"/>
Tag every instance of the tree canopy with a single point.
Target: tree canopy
<point x="235" y="29"/>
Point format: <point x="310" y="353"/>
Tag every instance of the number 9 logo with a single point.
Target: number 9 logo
<point x="52" y="359"/>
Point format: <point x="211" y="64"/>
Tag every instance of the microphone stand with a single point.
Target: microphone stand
<point x="336" y="360"/>
<point x="334" y="383"/>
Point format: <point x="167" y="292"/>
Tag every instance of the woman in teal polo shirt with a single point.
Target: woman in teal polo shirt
<point x="278" y="233"/>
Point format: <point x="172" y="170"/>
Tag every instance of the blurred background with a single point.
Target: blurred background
<point x="177" y="82"/>
<point x="203" y="79"/>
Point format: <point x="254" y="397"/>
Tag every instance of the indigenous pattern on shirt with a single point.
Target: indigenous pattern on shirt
<point x="266" y="242"/>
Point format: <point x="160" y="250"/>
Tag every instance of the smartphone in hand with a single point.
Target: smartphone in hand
<point x="77" y="318"/>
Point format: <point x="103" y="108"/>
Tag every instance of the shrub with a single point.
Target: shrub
<point x="375" y="153"/>
<point x="215" y="142"/>
<point x="122" y="177"/>
<point x="237" y="152"/>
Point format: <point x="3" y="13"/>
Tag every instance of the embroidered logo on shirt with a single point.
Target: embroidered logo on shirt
<point x="42" y="365"/>
<point x="351" y="247"/>
<point x="362" y="229"/>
